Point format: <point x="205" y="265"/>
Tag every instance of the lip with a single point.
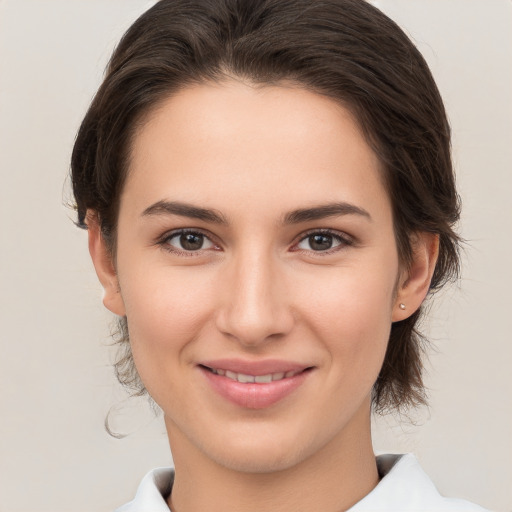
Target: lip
<point x="262" y="367"/>
<point x="254" y="395"/>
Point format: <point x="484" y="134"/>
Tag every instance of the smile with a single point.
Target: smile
<point x="259" y="379"/>
<point x="254" y="385"/>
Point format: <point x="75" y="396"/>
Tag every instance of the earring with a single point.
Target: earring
<point x="401" y="305"/>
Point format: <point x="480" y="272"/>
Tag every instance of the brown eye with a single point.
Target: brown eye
<point x="189" y="241"/>
<point x="322" y="242"/>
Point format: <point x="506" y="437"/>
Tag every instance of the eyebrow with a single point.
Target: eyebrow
<point x="185" y="210"/>
<point x="323" y="211"/>
<point x="294" y="217"/>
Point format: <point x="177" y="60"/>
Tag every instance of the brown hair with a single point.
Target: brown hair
<point x="344" y="49"/>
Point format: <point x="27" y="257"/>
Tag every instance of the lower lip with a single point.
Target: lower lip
<point x="254" y="395"/>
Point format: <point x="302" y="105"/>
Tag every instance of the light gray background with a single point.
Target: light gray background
<point x="56" y="381"/>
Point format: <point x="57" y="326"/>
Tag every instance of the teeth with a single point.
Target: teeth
<point x="263" y="378"/>
<point x="260" y="379"/>
<point x="245" y="378"/>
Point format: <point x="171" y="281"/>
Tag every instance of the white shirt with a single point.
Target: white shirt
<point x="404" y="487"/>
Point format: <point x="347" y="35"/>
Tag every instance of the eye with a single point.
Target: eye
<point x="187" y="241"/>
<point x="322" y="241"/>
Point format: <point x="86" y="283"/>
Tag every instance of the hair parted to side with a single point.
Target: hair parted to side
<point x="344" y="49"/>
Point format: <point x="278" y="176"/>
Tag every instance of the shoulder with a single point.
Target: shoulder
<point x="152" y="492"/>
<point x="405" y="487"/>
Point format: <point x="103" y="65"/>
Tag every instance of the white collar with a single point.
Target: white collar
<point x="152" y="492"/>
<point x="404" y="487"/>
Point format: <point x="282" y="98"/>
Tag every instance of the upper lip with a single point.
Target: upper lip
<point x="263" y="367"/>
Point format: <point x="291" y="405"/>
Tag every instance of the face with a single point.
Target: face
<point x="258" y="270"/>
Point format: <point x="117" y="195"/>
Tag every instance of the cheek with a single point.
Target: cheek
<point x="166" y="311"/>
<point x="351" y="313"/>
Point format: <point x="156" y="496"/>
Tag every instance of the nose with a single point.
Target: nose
<point x="256" y="306"/>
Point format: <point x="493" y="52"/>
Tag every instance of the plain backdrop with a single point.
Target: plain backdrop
<point x="56" y="382"/>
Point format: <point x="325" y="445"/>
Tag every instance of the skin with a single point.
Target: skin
<point x="258" y="289"/>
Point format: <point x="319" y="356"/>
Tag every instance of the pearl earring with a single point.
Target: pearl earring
<point x="401" y="305"/>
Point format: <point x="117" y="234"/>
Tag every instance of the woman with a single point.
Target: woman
<point x="269" y="197"/>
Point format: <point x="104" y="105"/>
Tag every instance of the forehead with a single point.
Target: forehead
<point x="218" y="142"/>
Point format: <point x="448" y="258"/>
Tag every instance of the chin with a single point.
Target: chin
<point x="258" y="460"/>
<point x="261" y="452"/>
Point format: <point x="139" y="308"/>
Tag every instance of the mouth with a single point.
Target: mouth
<point x="254" y="385"/>
<point x="259" y="379"/>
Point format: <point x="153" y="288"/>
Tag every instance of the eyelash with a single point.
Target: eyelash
<point x="343" y="240"/>
<point x="164" y="241"/>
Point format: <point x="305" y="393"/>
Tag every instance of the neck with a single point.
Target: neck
<point x="332" y="480"/>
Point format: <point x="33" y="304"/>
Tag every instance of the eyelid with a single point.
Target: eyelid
<point x="163" y="241"/>
<point x="345" y="240"/>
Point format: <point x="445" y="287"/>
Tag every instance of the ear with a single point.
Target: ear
<point x="105" y="269"/>
<point x="414" y="281"/>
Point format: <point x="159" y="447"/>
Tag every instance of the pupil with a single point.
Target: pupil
<point x="191" y="241"/>
<point x="320" y="242"/>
